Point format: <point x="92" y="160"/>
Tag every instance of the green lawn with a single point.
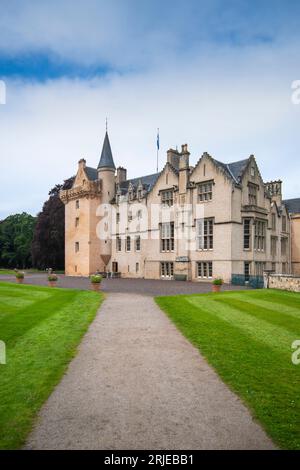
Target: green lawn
<point x="246" y="336"/>
<point x="42" y="328"/>
<point x="7" y="271"/>
<point x="29" y="271"/>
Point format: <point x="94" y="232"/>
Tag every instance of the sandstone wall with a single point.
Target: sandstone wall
<point x="284" y="282"/>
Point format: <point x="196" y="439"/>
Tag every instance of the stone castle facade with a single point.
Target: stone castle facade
<point x="184" y="222"/>
<point x="293" y="206"/>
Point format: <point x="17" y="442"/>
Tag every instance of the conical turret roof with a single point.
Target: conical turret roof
<point x="106" y="159"/>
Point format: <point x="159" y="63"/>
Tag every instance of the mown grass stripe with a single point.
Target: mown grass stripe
<point x="256" y="328"/>
<point x="24" y="291"/>
<point x="288" y="322"/>
<point x="9" y="301"/>
<point x="274" y="306"/>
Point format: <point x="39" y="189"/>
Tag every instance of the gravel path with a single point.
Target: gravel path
<point x="135" y="286"/>
<point x="136" y="383"/>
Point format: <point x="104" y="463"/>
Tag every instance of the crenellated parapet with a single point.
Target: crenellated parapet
<point x="89" y="190"/>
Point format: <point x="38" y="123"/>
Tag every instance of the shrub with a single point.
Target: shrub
<point x="19" y="275"/>
<point x="52" y="277"/>
<point x="218" y="281"/>
<point x="96" y="278"/>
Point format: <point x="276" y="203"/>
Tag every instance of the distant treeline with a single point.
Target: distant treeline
<point x="35" y="242"/>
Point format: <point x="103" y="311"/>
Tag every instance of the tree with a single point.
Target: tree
<point x="16" y="234"/>
<point x="48" y="245"/>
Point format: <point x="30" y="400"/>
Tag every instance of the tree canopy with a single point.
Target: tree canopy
<point x="48" y="245"/>
<point x="16" y="234"/>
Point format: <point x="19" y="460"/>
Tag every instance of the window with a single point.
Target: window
<point x="284" y="268"/>
<point x="76" y="221"/>
<point x="140" y="193"/>
<point x="283" y="246"/>
<point x="205" y="191"/>
<point x="128" y="243"/>
<point x="247" y="234"/>
<point x="77" y="204"/>
<point x="76" y="247"/>
<point x="75" y="268"/>
<point x="138" y="243"/>
<point x="273" y="222"/>
<point x="119" y="243"/>
<point x="137" y="267"/>
<point x="117" y="217"/>
<point x="114" y="267"/>
<point x="139" y="214"/>
<point x="129" y="216"/>
<point x="167" y="197"/>
<point x="252" y="171"/>
<point x="204" y="269"/>
<point x="247" y="271"/>
<point x="284" y="223"/>
<point x="260" y="235"/>
<point x="166" y="269"/>
<point x="167" y="236"/>
<point x="252" y="194"/>
<point x="259" y="268"/>
<point x="205" y="229"/>
<point x="273" y="246"/>
<point x="274" y="267"/>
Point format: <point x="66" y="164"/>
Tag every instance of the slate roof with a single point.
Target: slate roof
<point x="147" y="182"/>
<point x="234" y="170"/>
<point x="106" y="159"/>
<point x="91" y="173"/>
<point x="293" y="205"/>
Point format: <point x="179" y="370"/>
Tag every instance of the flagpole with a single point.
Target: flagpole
<point x="157" y="148"/>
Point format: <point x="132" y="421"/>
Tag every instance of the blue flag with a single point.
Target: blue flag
<point x="157" y="141"/>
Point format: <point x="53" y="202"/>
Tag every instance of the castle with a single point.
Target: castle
<point x="184" y="222"/>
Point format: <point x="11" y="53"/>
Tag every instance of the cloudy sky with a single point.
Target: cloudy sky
<point x="216" y="74"/>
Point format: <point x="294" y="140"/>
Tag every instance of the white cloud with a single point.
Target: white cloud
<point x="46" y="128"/>
<point x="218" y="79"/>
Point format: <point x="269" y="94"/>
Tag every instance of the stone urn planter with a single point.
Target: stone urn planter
<point x="96" y="282"/>
<point x="20" y="277"/>
<point x="52" y="280"/>
<point x="217" y="284"/>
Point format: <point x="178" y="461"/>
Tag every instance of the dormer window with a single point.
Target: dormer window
<point x="130" y="195"/>
<point x="205" y="191"/>
<point x="140" y="194"/>
<point x="252" y="171"/>
<point x="167" y="197"/>
<point x="252" y="194"/>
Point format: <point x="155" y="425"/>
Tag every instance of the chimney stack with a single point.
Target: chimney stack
<point x="273" y="188"/>
<point x="184" y="169"/>
<point x="82" y="163"/>
<point x="121" y="174"/>
<point x="173" y="157"/>
<point x="184" y="158"/>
